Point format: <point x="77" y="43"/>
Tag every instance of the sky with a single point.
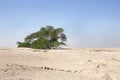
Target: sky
<point x="86" y="23"/>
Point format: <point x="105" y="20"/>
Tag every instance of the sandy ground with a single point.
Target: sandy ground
<point x="70" y="64"/>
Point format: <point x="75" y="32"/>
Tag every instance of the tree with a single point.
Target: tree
<point x="46" y="38"/>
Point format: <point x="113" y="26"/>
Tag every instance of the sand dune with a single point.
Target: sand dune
<point x="68" y="64"/>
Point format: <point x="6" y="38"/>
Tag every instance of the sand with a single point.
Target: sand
<point x="67" y="64"/>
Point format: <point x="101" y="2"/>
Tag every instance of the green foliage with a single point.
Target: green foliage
<point x="39" y="44"/>
<point x="46" y="38"/>
<point x="23" y="44"/>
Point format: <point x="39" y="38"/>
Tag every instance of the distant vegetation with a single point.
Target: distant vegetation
<point x="46" y="38"/>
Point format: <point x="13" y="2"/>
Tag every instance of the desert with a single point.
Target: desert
<point x="60" y="64"/>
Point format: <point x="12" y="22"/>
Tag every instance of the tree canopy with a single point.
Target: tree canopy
<point x="46" y="38"/>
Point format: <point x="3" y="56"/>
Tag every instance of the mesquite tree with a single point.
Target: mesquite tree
<point x="46" y="38"/>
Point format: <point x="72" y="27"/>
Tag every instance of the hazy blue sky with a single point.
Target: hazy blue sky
<point x="87" y="23"/>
